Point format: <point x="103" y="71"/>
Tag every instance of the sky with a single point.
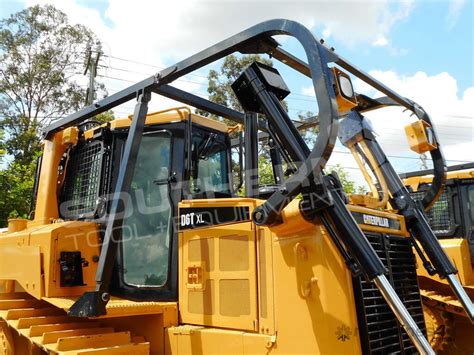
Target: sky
<point x="422" y="49"/>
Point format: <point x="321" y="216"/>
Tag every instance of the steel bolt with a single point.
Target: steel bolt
<point x="258" y="215"/>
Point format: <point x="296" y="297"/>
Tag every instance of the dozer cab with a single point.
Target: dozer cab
<point x="140" y="245"/>
<point x="451" y="218"/>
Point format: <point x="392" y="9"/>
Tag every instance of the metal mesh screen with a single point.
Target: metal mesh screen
<point x="380" y="333"/>
<point x="439" y="216"/>
<point x="83" y="181"/>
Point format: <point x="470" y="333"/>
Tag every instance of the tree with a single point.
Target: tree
<point x="16" y="184"/>
<point x="309" y="134"/>
<point x="348" y="185"/>
<point x="40" y="53"/>
<point x="104" y="117"/>
<point x="220" y="91"/>
<point x="2" y="146"/>
<point x="220" y="82"/>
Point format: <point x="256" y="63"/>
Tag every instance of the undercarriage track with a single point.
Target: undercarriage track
<point x="449" y="330"/>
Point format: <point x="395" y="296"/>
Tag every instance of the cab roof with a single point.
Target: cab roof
<point x="416" y="178"/>
<point x="175" y="114"/>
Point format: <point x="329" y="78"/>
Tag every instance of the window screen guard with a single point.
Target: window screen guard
<point x="83" y="181"/>
<point x="440" y="215"/>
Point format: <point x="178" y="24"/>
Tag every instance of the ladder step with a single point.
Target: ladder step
<point x="53" y="337"/>
<point x="24" y="323"/>
<point x="91" y="341"/>
<point x="20" y="303"/>
<point x="39" y="330"/>
<point x="135" y="349"/>
<point x="14" y="314"/>
<point x="15" y="296"/>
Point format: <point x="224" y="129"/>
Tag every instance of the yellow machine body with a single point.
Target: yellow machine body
<point x="236" y="280"/>
<point x="445" y="318"/>
<point x="245" y="275"/>
<point x="456" y="248"/>
<point x="418" y="136"/>
<point x="139" y="241"/>
<point x="249" y="275"/>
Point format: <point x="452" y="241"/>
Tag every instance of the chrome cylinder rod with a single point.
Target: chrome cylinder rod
<point x="462" y="296"/>
<point x="403" y="316"/>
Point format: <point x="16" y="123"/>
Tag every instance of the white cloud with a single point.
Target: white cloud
<point x="451" y="112"/>
<point x="307" y="90"/>
<point x="454" y="11"/>
<point x="162" y="32"/>
<point x="399" y="14"/>
<point x="381" y="41"/>
<point x="180" y="27"/>
<point x="326" y="33"/>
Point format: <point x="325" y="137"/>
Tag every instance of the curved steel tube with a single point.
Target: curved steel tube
<point x="439" y="162"/>
<point x="318" y="59"/>
<point x="392" y="99"/>
<point x="93" y="303"/>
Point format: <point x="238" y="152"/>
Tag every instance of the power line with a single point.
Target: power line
<point x="402" y="157"/>
<point x="203" y="84"/>
<point x="205" y="77"/>
<point x="201" y="76"/>
<point x="441" y="133"/>
<point x="296" y="109"/>
<point x="146" y="64"/>
<point x="161" y="68"/>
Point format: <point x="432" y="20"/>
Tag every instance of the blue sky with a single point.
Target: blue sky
<point x="426" y="40"/>
<point x="423" y="49"/>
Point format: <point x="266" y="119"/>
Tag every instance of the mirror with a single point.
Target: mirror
<point x="345" y="85"/>
<point x="345" y="95"/>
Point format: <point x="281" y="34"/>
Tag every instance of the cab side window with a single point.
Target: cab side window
<point x="209" y="165"/>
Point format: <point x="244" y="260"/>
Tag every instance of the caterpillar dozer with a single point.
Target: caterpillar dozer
<point x="139" y="243"/>
<point x="452" y="220"/>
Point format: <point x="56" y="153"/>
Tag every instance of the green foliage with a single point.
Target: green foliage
<point x="265" y="171"/>
<point x="220" y="82"/>
<point x="349" y="186"/>
<point x="104" y="117"/>
<point x="16" y="184"/>
<point x="309" y="134"/>
<point x="40" y="52"/>
<point x="2" y="146"/>
<point x="347" y="183"/>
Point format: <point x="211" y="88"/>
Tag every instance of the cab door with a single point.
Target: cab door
<point x="144" y="265"/>
<point x="218" y="269"/>
<point x="146" y="228"/>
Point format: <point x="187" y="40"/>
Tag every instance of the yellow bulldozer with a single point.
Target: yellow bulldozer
<point x="452" y="220"/>
<point x="139" y="243"/>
